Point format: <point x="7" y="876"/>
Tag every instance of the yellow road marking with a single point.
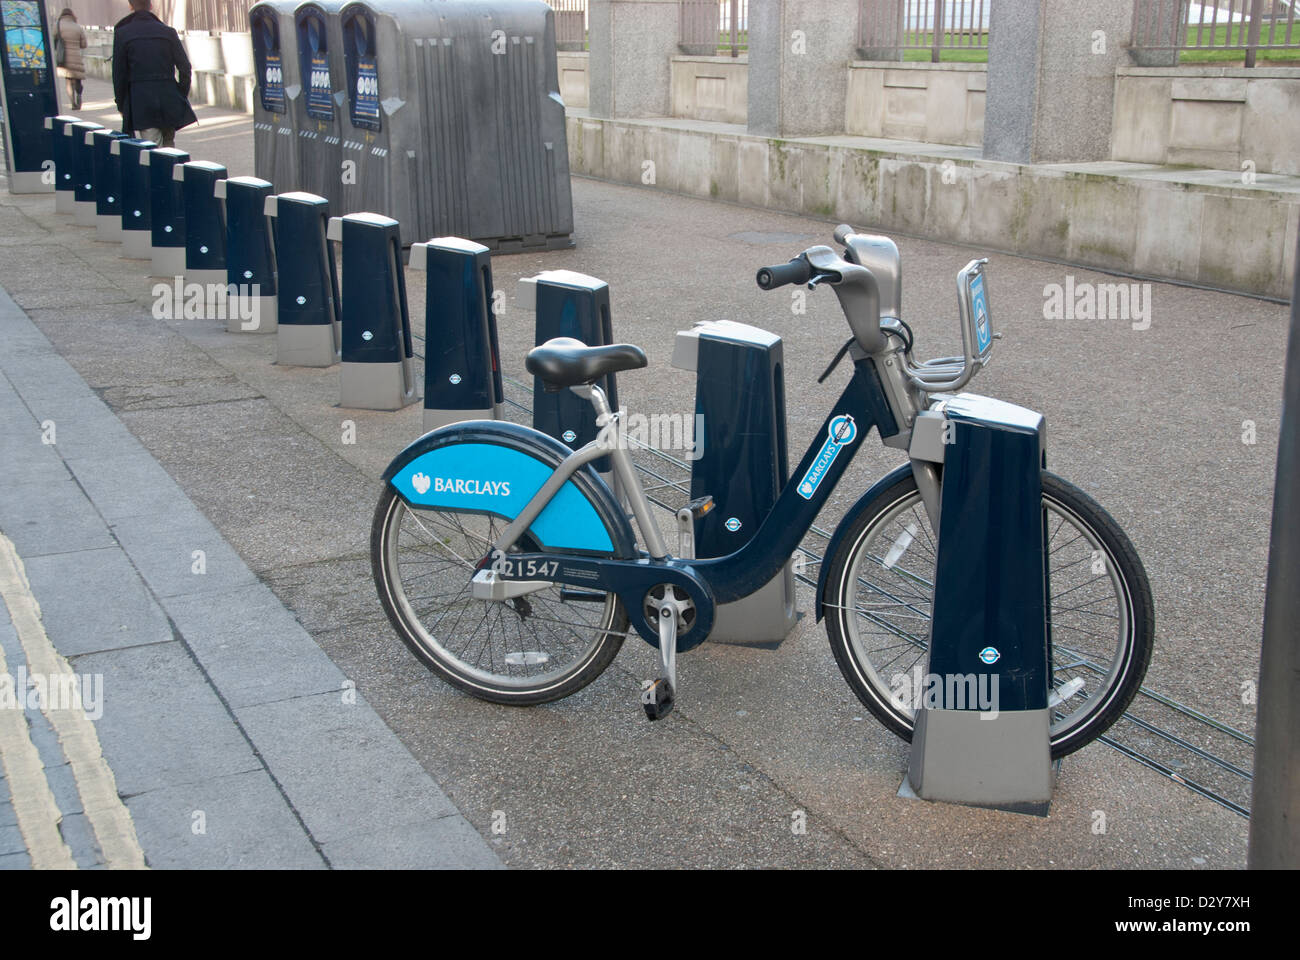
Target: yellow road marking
<point x="106" y="812"/>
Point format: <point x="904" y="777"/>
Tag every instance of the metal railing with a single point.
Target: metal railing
<point x="889" y="29"/>
<point x="1211" y="30"/>
<point x="713" y="27"/>
<point x="215" y="16"/>
<point x="570" y="24"/>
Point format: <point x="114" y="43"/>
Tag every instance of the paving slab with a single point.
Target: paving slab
<point x="239" y="821"/>
<point x="125" y="612"/>
<point x="252" y="648"/>
<point x="180" y="553"/>
<point x="51" y="516"/>
<point x="129" y="483"/>
<point x="346" y="773"/>
<point x="163" y="723"/>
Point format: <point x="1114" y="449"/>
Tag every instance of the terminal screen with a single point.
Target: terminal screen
<point x="979" y="312"/>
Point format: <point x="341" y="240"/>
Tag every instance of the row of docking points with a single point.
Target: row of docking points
<point x="229" y="248"/>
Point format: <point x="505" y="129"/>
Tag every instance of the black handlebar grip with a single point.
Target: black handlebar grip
<point x="797" y="270"/>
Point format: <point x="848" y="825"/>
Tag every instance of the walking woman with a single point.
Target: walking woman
<point x="73" y="68"/>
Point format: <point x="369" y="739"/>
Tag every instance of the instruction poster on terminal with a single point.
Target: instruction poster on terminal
<point x="273" y="84"/>
<point x="320" y="103"/>
<point x="365" y="100"/>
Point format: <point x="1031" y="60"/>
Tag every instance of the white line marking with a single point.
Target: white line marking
<point x="95" y="781"/>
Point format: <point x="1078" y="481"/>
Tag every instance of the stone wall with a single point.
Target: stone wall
<point x="1221" y="117"/>
<point x="930" y="102"/>
<point x="710" y="88"/>
<point x="1222" y="235"/>
<point x="573" y="77"/>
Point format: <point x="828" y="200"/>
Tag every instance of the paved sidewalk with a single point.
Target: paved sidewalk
<point x="233" y="739"/>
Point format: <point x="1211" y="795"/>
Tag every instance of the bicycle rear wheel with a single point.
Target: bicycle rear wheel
<point x="532" y="649"/>
<point x="879" y="600"/>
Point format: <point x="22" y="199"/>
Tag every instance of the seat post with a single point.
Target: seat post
<point x="625" y="471"/>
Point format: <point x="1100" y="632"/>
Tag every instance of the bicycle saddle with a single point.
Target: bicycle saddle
<point x="565" y="362"/>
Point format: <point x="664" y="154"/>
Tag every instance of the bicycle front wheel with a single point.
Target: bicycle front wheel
<point x="531" y="649"/>
<point x="879" y="600"/>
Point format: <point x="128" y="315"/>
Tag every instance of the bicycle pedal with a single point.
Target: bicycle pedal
<point x="700" y="506"/>
<point x="658" y="698"/>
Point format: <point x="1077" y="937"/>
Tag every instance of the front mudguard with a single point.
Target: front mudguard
<point x="841" y="531"/>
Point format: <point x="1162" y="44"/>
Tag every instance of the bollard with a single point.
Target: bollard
<point x="205" y="227"/>
<point x="739" y="458"/>
<point x="307" y="289"/>
<point x="61" y="150"/>
<point x="166" y="212"/>
<point x="989" y="620"/>
<point x="250" y="265"/>
<point x="137" y="235"/>
<point x="378" y="371"/>
<point x="569" y="304"/>
<point x="83" y="171"/>
<point x="462" y="363"/>
<point x="108" y="184"/>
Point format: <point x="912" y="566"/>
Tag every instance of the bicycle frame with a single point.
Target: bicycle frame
<point x="861" y="406"/>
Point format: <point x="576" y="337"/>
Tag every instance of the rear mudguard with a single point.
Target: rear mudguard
<point x="494" y="467"/>
<point x="841" y="531"/>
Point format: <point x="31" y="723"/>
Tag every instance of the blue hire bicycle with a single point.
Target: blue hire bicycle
<point x="511" y="568"/>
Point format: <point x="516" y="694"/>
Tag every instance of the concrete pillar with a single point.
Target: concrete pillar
<point x="1051" y="79"/>
<point x="1161" y="23"/>
<point x="881" y="38"/>
<point x="629" y="64"/>
<point x="799" y="52"/>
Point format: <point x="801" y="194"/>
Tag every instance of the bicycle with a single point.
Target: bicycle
<point x="510" y="567"/>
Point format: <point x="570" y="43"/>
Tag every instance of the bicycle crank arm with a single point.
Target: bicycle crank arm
<point x="660" y="694"/>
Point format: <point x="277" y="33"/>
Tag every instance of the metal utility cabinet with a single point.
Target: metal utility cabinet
<point x="455" y="121"/>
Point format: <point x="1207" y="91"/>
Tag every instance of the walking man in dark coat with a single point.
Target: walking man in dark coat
<point x="151" y="76"/>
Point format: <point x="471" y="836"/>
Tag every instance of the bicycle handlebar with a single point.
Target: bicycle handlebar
<point x="797" y="270"/>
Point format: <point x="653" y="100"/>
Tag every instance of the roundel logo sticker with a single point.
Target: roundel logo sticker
<point x="843" y="430"/>
<point x="569" y="436"/>
<point x="990" y="655"/>
<point x="733" y="524"/>
<point x="454" y="378"/>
